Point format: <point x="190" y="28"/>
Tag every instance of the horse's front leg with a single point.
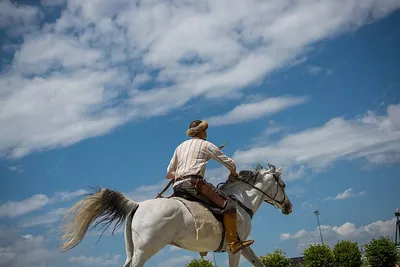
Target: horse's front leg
<point x="249" y="254"/>
<point x="234" y="259"/>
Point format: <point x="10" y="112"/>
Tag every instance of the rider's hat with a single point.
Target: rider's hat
<point x="196" y="127"/>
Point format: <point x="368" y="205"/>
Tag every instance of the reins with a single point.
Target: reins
<point x="265" y="194"/>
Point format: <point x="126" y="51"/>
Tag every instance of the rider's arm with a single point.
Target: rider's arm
<point x="215" y="153"/>
<point x="172" y="166"/>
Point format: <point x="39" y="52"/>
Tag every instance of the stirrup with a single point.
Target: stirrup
<point x="239" y="245"/>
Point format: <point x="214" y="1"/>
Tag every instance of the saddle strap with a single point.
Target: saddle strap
<point x="221" y="244"/>
<point x="249" y="211"/>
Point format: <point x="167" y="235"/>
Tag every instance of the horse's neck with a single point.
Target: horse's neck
<point x="250" y="197"/>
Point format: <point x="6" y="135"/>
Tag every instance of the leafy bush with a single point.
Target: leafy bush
<point x="347" y="254"/>
<point x="200" y="263"/>
<point x="381" y="252"/>
<point x="319" y="255"/>
<point x="276" y="259"/>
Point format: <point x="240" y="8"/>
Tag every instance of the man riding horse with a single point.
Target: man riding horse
<point x="187" y="168"/>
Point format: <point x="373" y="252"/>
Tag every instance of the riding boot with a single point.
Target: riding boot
<point x="234" y="243"/>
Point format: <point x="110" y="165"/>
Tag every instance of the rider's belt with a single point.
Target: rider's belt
<point x="186" y="178"/>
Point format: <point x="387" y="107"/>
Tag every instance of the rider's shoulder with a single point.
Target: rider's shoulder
<point x="183" y="143"/>
<point x="207" y="144"/>
<point x="210" y="144"/>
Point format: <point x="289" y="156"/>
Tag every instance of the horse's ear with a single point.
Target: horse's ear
<point x="259" y="167"/>
<point x="272" y="167"/>
<point x="280" y="171"/>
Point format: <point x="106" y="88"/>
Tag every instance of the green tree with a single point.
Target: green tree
<point x="319" y="255"/>
<point x="347" y="254"/>
<point x="276" y="259"/>
<point x="200" y="263"/>
<point x="381" y="252"/>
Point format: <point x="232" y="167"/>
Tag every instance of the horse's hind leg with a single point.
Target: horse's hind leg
<point x="144" y="249"/>
<point x="128" y="240"/>
<point x="153" y="227"/>
<point x="138" y="259"/>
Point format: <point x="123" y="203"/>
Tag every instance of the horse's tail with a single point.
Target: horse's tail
<point x="105" y="205"/>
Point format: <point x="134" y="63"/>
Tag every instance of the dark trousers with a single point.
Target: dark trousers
<point x="188" y="190"/>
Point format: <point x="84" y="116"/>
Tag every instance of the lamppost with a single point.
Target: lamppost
<point x="319" y="226"/>
<point x="397" y="214"/>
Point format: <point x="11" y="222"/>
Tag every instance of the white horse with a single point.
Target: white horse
<point x="152" y="224"/>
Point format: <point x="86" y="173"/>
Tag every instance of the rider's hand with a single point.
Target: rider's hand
<point x="170" y="176"/>
<point x="234" y="173"/>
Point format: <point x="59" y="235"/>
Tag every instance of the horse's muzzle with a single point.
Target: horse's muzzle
<point x="287" y="209"/>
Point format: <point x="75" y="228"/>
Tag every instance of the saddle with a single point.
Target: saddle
<point x="207" y="191"/>
<point x="190" y="199"/>
<point x="205" y="221"/>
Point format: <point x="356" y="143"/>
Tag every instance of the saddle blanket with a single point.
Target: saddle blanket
<point x="205" y="221"/>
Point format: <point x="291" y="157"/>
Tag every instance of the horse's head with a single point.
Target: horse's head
<point x="273" y="187"/>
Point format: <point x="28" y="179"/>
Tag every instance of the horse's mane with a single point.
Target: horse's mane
<point x="249" y="176"/>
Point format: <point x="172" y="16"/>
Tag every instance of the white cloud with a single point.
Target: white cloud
<point x="388" y="158"/>
<point x="60" y="116"/>
<point x="52" y="3"/>
<point x="17" y="208"/>
<point x="104" y="260"/>
<point x="80" y="76"/>
<point x="36" y="202"/>
<point x="141" y="79"/>
<point x="48" y="218"/>
<point x="255" y="110"/>
<point x="66" y="195"/>
<point x="348" y="193"/>
<point x="26" y="250"/>
<point x="18" y="19"/>
<point x="314" y="70"/>
<point x="347" y="231"/>
<point x="16" y="168"/>
<point x="338" y="139"/>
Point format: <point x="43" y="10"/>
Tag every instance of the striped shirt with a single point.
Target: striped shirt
<point x="191" y="157"/>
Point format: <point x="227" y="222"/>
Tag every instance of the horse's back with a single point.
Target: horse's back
<point x="153" y="210"/>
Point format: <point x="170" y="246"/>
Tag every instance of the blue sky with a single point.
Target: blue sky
<point x="100" y="94"/>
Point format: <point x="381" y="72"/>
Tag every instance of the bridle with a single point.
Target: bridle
<point x="278" y="186"/>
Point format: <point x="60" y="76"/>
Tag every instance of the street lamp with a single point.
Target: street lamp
<point x="397" y="214"/>
<point x="319" y="226"/>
